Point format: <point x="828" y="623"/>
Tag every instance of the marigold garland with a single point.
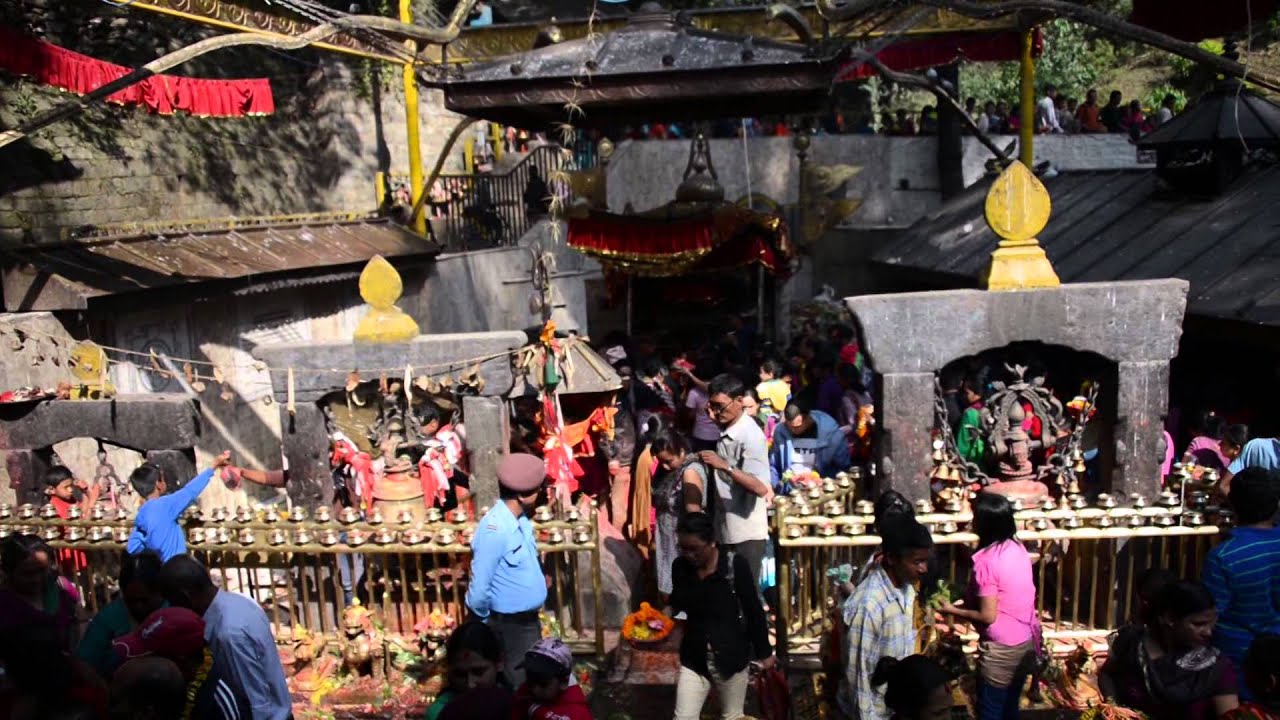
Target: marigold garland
<point x="193" y="687"/>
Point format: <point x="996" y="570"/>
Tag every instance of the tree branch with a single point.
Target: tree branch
<point x="925" y="83"/>
<point x="1080" y="13"/>
<point x="421" y="203"/>
<point x="279" y="42"/>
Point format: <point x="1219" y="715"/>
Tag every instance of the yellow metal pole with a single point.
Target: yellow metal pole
<point x="1027" y="110"/>
<point x="411" y="121"/>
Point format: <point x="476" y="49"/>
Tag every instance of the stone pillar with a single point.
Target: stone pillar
<point x="905" y="411"/>
<point x="178" y="466"/>
<point x="1143" y="402"/>
<point x="304" y="440"/>
<point x="488" y="437"/>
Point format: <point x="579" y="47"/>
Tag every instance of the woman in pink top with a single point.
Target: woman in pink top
<point x="1002" y="594"/>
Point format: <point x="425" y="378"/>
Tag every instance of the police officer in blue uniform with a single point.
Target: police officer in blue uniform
<point x="507" y="585"/>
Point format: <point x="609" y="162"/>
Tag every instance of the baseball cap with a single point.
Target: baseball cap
<point x="548" y="656"/>
<point x="168" y="632"/>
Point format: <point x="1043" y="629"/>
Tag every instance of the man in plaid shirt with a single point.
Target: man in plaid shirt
<point x="880" y="615"/>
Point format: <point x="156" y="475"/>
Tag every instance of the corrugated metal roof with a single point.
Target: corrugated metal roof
<point x="145" y="262"/>
<point x="1121" y="225"/>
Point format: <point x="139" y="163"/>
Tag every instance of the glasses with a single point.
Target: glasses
<point x="720" y="407"/>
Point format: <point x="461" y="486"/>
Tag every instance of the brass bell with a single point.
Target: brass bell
<point x="1040" y="524"/>
<point x="948" y="527"/>
<point x="223" y="536"/>
<point x="1077" y="502"/>
<point x="938" y="455"/>
<point x="1169" y="499"/>
<point x="542" y="513"/>
<point x="1226" y="519"/>
<point x="323" y="514"/>
<point x="572" y="515"/>
<point x="244" y="514"/>
<point x="459" y="515"/>
<point x="1072" y="523"/>
<point x="1073" y="487"/>
<point x="865" y="507"/>
<point x="434" y="514"/>
<point x="302" y="536"/>
<point x="384" y="536"/>
<point x="1104" y="521"/>
<point x="298" y="514"/>
<point x="122" y="534"/>
<point x="356" y="538"/>
<point x="1138" y="501"/>
<point x="833" y="508"/>
<point x="74" y="513"/>
<point x="375" y="517"/>
<point x="96" y="534"/>
<point x="6" y="510"/>
<point x="795" y="531"/>
<point x="28" y="511"/>
<point x="97" y="513"/>
<point x="48" y="512"/>
<point x="405" y="516"/>
<point x="271" y="515"/>
<point x="1049" y="505"/>
<point x="843" y="481"/>
<point x="196" y="536"/>
<point x="191" y="513"/>
<point x="1193" y="519"/>
<point x="828" y="486"/>
<point x="854" y="528"/>
<point x="1136" y="521"/>
<point x="1165" y="521"/>
<point x="1106" y="502"/>
<point x="923" y="507"/>
<point x="954" y="505"/>
<point x="51" y="533"/>
<point x="1016" y="504"/>
<point x="827" y="529"/>
<point x="122" y="514"/>
<point x="247" y="536"/>
<point x="276" y="537"/>
<point x="348" y="515"/>
<point x="556" y="537"/>
<point x="815" y="493"/>
<point x="445" y="537"/>
<point x="219" y="514"/>
<point x="328" y="537"/>
<point x="1078" y="466"/>
<point x="582" y="536"/>
<point x="412" y="536"/>
<point x="804" y="509"/>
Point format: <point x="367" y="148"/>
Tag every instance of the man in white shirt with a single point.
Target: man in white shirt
<point x="741" y="465"/>
<point x="237" y="632"/>
<point x="1047" y="111"/>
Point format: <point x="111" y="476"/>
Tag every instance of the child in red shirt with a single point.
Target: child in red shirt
<point x="547" y="693"/>
<point x="61" y="486"/>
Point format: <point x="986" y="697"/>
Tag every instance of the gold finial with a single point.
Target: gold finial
<point x="1017" y="209"/>
<point x="380" y="287"/>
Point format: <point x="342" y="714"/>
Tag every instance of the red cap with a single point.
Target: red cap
<point x="172" y="633"/>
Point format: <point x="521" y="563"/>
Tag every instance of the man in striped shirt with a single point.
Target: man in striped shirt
<point x="1243" y="571"/>
<point x="880" y="614"/>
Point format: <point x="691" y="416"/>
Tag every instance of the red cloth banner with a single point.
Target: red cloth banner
<point x="163" y="94"/>
<point x="943" y="50"/>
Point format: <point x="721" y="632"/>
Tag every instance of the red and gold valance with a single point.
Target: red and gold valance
<point x="666" y="244"/>
<point x="942" y="50"/>
<point x="164" y="94"/>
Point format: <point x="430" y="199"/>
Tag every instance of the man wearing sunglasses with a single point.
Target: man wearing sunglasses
<point x="741" y="464"/>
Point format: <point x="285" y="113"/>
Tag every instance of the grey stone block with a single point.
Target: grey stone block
<point x="145" y="422"/>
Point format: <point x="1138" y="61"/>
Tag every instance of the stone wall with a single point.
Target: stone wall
<point x="898" y="183"/>
<point x="335" y="126"/>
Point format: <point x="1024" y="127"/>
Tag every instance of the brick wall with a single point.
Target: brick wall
<point x="319" y="152"/>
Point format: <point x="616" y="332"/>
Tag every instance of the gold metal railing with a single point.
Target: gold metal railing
<point x="1087" y="560"/>
<point x="292" y="568"/>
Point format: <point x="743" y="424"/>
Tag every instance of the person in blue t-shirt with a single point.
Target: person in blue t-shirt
<point x="1243" y="571"/>
<point x="156" y="527"/>
<point x="1257" y="453"/>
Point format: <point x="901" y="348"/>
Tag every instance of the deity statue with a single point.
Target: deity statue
<point x="360" y="647"/>
<point x="1012" y="447"/>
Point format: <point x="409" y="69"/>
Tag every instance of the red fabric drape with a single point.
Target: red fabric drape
<point x="1194" y="20"/>
<point x="728" y="236"/>
<point x="164" y="94"/>
<point x="944" y="50"/>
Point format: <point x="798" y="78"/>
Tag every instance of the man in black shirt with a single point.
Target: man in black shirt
<point x="1112" y="113"/>
<point x="177" y="634"/>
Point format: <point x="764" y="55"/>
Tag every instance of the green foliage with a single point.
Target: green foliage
<point x="1183" y="69"/>
<point x="1155" y="98"/>
<point x="1073" y="61"/>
